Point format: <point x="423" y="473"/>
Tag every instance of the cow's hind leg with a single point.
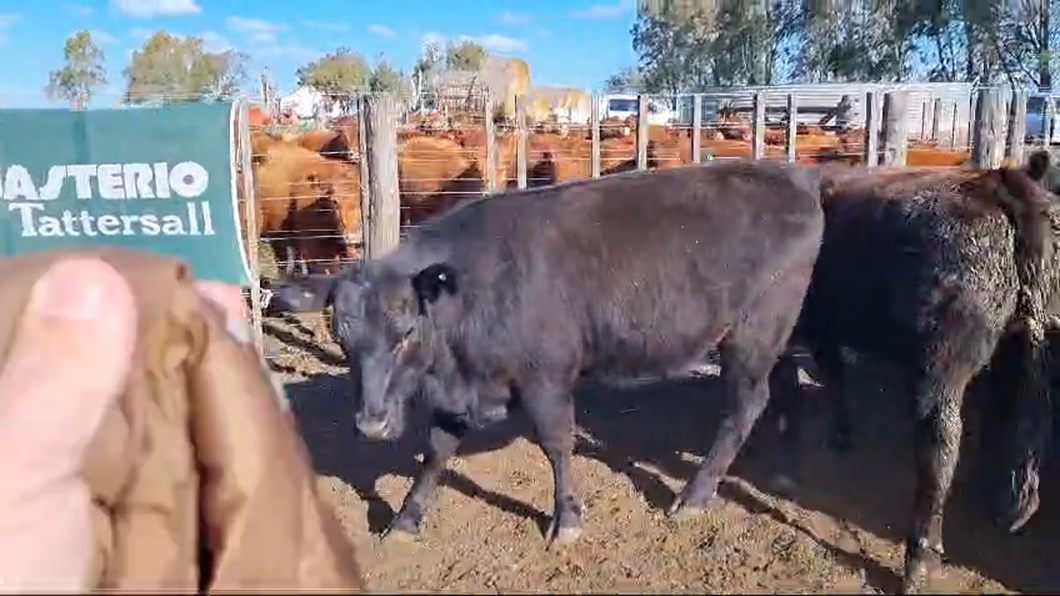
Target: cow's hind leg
<point x="833" y="369"/>
<point x="550" y="407"/>
<point x="444" y="439"/>
<point x="748" y="354"/>
<point x="786" y="402"/>
<point x="938" y="394"/>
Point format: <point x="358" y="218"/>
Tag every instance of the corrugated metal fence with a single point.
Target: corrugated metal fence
<point x="814" y="98"/>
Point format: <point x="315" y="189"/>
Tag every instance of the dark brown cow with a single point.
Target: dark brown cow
<point x="510" y="300"/>
<point x="941" y="271"/>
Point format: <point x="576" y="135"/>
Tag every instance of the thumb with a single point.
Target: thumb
<point x="65" y="369"/>
<point x="67" y="364"/>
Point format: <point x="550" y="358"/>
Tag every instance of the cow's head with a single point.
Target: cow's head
<point x="1041" y="167"/>
<point x="383" y="322"/>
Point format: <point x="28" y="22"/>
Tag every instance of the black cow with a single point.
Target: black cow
<point x="942" y="272"/>
<point x="511" y="299"/>
<point x="1040" y="166"/>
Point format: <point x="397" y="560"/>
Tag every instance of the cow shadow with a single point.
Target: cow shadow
<point x="870" y="487"/>
<point x="658" y="423"/>
<point x="325" y="414"/>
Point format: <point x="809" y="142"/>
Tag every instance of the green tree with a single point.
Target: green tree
<point x="385" y="77"/>
<point x="170" y="68"/>
<point x="666" y="48"/>
<point x="337" y="76"/>
<point x="464" y="55"/>
<point x="83" y="72"/>
<point x="628" y="79"/>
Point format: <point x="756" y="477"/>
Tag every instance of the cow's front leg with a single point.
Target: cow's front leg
<point x="444" y="439"/>
<point x="551" y="409"/>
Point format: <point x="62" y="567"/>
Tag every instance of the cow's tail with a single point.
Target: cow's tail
<point x="1026" y="204"/>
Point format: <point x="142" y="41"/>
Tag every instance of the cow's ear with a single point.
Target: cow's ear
<point x="1038" y="164"/>
<point x="432" y="281"/>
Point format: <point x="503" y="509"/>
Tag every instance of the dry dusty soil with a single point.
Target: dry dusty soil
<point x="840" y="531"/>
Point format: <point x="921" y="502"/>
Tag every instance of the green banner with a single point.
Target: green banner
<point x="152" y="179"/>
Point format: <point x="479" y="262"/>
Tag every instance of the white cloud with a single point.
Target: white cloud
<point x="215" y="43"/>
<point x="491" y="43"/>
<point x="381" y="30"/>
<point x="6" y="20"/>
<point x="255" y="30"/>
<point x="139" y="33"/>
<point x="81" y="10"/>
<point x="102" y="37"/>
<point x="289" y="52"/>
<point x="604" y="11"/>
<point x="325" y="26"/>
<point x="514" y="18"/>
<point x="146" y="9"/>
<point x="500" y="43"/>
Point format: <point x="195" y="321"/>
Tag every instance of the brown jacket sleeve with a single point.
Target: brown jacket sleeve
<point x="200" y="479"/>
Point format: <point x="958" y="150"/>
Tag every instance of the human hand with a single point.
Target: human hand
<point x="67" y="366"/>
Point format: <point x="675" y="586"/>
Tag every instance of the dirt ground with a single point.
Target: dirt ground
<point x="841" y="531"/>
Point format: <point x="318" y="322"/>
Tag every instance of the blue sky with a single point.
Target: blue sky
<point x="566" y="42"/>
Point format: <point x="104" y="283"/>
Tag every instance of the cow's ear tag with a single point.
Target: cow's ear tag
<point x="432" y="281"/>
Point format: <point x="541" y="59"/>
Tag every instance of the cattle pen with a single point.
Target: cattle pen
<point x="331" y="190"/>
<point x="387" y="167"/>
<point x="367" y="176"/>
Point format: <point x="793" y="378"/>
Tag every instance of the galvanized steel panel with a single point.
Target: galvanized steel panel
<point x="956" y="97"/>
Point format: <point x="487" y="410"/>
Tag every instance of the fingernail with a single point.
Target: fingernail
<point x="69" y="290"/>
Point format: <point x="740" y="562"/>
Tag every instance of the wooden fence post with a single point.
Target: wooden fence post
<point x="793" y="127"/>
<point x="366" y="174"/>
<point x="936" y="118"/>
<point x="895" y="127"/>
<point x="594" y="125"/>
<point x="1047" y="121"/>
<point x="521" y="147"/>
<point x="250" y="213"/>
<point x="953" y="124"/>
<point x="490" y="174"/>
<point x="758" y="125"/>
<point x="642" y="132"/>
<point x="382" y="232"/>
<point x="697" y="128"/>
<point x="925" y="123"/>
<point x="1017" y="127"/>
<point x="871" y="156"/>
<point x="989" y="137"/>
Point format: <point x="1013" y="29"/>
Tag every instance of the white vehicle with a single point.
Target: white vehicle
<point x="624" y="106"/>
<point x="1035" y="109"/>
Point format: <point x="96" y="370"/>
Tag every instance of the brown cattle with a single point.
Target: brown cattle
<point x="310" y="206"/>
<point x="434" y="175"/>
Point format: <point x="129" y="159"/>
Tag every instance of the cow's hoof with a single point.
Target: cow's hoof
<point x="690" y="503"/>
<point x="394" y="535"/>
<point x="680" y="512"/>
<point x="399" y="536"/>
<point x="401" y="530"/>
<point x="559" y="537"/>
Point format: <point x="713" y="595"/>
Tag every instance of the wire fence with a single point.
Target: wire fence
<point x="444" y="155"/>
<point x="307" y="174"/>
<point x="461" y="143"/>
